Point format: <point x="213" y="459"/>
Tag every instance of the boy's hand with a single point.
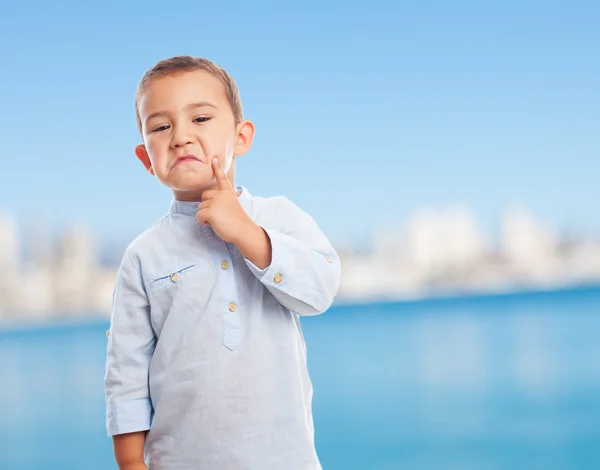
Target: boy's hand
<point x="222" y="210"/>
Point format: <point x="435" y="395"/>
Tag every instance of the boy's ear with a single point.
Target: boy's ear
<point x="142" y="154"/>
<point x="245" y="136"/>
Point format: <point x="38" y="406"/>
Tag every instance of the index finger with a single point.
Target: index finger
<point x="222" y="180"/>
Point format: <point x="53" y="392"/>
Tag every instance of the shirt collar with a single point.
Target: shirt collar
<point x="191" y="207"/>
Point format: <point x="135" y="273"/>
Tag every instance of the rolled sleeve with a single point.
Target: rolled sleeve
<point x="129" y="416"/>
<point x="304" y="274"/>
<point x="131" y="343"/>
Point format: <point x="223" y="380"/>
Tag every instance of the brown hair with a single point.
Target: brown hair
<point x="185" y="63"/>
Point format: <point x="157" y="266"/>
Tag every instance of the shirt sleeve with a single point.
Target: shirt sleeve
<point x="305" y="272"/>
<point x="131" y="343"/>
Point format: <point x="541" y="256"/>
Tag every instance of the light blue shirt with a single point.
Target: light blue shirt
<point x="205" y="350"/>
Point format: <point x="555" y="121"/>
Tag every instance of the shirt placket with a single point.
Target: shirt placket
<point x="229" y="305"/>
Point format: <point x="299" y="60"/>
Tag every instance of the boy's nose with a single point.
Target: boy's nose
<point x="181" y="138"/>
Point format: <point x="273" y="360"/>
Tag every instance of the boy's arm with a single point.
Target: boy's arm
<point x="131" y="343"/>
<point x="129" y="450"/>
<point x="295" y="261"/>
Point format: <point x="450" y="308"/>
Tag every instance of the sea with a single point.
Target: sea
<point x="507" y="381"/>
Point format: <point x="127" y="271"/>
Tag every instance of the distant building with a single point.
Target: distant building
<point x="525" y="241"/>
<point x="530" y="248"/>
<point x="443" y="241"/>
<point x="74" y="268"/>
<point x="10" y="267"/>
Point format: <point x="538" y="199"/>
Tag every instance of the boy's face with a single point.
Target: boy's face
<point x="186" y="122"/>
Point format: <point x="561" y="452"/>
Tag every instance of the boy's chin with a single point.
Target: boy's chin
<point x="191" y="184"/>
<point x="192" y="187"/>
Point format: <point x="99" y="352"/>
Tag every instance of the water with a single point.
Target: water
<point x="474" y="383"/>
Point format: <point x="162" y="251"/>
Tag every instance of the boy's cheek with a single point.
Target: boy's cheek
<point x="158" y="161"/>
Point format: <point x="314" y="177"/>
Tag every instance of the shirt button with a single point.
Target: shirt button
<point x="107" y="332"/>
<point x="224" y="264"/>
<point x="329" y="260"/>
<point x="232" y="307"/>
<point x="175" y="277"/>
<point x="278" y="277"/>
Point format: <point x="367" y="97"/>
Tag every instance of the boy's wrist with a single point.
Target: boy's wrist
<point x="254" y="244"/>
<point x="247" y="231"/>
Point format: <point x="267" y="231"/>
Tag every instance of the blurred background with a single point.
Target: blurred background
<point x="449" y="150"/>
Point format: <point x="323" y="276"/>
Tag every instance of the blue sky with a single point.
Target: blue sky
<point x="364" y="112"/>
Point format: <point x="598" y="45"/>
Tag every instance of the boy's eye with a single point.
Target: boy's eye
<point x="160" y="128"/>
<point x="201" y="119"/>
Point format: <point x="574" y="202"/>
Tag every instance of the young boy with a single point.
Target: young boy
<point x="206" y="362"/>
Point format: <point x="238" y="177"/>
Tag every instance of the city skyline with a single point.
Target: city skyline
<point x="436" y="252"/>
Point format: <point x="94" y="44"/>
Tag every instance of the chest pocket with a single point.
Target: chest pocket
<point x="165" y="289"/>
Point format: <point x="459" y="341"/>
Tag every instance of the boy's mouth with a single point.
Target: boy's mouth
<point x="186" y="158"/>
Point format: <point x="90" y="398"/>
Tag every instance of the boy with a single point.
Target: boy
<point x="206" y="362"/>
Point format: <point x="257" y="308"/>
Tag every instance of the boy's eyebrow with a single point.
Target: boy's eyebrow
<point x="200" y="104"/>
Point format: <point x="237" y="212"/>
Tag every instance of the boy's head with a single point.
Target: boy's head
<point x="188" y="111"/>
